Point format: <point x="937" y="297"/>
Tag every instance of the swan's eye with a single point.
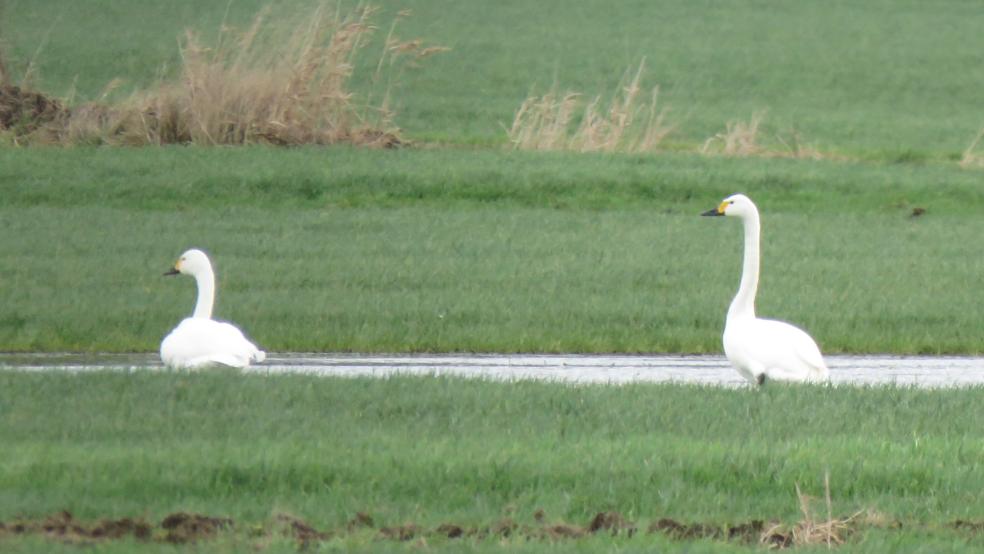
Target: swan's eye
<point x="731" y="202"/>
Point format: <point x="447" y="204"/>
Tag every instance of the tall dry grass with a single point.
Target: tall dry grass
<point x="744" y="139"/>
<point x="740" y="138"/>
<point x="282" y="81"/>
<point x="628" y="122"/>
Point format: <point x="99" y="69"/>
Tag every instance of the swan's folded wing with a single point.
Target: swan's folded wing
<point x="197" y="342"/>
<point x="784" y="350"/>
<point x="237" y="343"/>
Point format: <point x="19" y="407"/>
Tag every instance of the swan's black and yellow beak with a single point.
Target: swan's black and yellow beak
<point x="717" y="211"/>
<point x="174" y="271"/>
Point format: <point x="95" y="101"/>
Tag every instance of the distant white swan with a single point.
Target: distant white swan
<point x="763" y="349"/>
<point x="200" y="340"/>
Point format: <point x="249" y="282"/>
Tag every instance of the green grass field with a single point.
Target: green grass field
<point x="884" y="80"/>
<point x="438" y="450"/>
<point x="349" y="249"/>
<point x="458" y="243"/>
<point x="481" y="249"/>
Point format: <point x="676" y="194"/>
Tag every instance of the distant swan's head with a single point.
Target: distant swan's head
<point x="192" y="262"/>
<point x="734" y="205"/>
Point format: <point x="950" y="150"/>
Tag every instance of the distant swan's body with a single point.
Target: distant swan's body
<point x="199" y="340"/>
<point x="762" y="349"/>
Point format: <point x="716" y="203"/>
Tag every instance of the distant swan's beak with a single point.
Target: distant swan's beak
<point x="719" y="210"/>
<point x="174" y="271"/>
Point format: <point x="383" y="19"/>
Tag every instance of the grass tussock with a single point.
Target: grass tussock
<point x="282" y="81"/>
<point x="739" y="138"/>
<point x="813" y="529"/>
<point x="629" y="122"/>
<point x="744" y="139"/>
<point x="632" y="123"/>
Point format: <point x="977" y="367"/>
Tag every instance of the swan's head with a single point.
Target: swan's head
<point x="192" y="262"/>
<point x="734" y="205"/>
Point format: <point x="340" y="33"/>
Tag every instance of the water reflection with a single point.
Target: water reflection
<point x="710" y="370"/>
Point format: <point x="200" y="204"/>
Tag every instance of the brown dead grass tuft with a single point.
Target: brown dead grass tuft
<point x="812" y="530"/>
<point x="281" y="81"/>
<point x="744" y="139"/>
<point x="739" y="138"/>
<point x="626" y="124"/>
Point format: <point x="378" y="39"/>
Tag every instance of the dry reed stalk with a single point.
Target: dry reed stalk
<point x="543" y="122"/>
<point x="4" y="73"/>
<point x="970" y="157"/>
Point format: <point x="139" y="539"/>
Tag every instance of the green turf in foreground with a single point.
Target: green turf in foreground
<point x="433" y="450"/>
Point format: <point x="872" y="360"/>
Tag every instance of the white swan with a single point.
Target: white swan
<point x="763" y="349"/>
<point x="200" y="340"/>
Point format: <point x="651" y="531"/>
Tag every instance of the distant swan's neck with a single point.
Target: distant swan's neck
<point x="744" y="303"/>
<point x="206" y="294"/>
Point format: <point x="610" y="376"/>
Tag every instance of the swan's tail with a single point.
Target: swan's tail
<point x="258" y="356"/>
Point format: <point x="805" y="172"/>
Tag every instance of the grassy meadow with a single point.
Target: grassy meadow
<point x="892" y="79"/>
<point x="428" y="251"/>
<point x="438" y="450"/>
<point x="458" y="242"/>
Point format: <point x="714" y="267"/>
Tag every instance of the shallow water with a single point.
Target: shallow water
<point x="614" y="369"/>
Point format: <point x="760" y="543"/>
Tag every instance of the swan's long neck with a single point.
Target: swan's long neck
<point x="206" y="294"/>
<point x="744" y="303"/>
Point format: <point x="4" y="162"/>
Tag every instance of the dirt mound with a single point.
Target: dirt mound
<point x="974" y="527"/>
<point x="24" y="111"/>
<point x="751" y="532"/>
<point x="360" y="520"/>
<point x="450" y="530"/>
<point x="613" y="522"/>
<point x="183" y="528"/>
<point x="400" y="532"/>
<point x="300" y="530"/>
<point x="63" y="526"/>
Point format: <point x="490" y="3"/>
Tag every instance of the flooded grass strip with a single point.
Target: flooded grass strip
<point x="188" y="528"/>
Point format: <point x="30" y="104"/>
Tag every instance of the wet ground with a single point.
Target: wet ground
<point x="614" y="369"/>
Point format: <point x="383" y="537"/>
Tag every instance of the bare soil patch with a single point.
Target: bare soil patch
<point x="25" y="111"/>
<point x="185" y="528"/>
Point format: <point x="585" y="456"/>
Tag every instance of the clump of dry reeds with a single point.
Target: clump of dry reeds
<point x="813" y="530"/>
<point x="739" y="138"/>
<point x="743" y="139"/>
<point x="972" y="157"/>
<point x="273" y="83"/>
<point x="625" y="124"/>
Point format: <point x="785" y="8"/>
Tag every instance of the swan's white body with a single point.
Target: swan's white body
<point x="200" y="341"/>
<point x="761" y="349"/>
